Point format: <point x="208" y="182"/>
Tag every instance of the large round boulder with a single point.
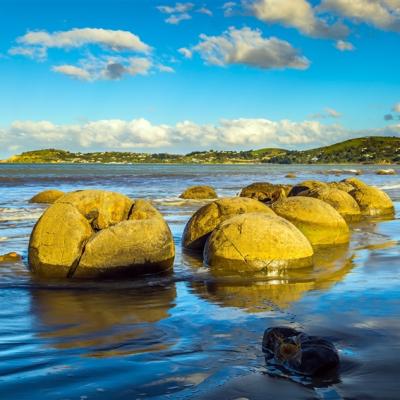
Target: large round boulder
<point x="306" y="185"/>
<point x="341" y="201"/>
<point x="47" y="196"/>
<point x="373" y="201"/>
<point x="208" y="217"/>
<point x="318" y="221"/>
<point x="256" y="242"/>
<point x="199" y="193"/>
<point x="100" y="234"/>
<point x="265" y="192"/>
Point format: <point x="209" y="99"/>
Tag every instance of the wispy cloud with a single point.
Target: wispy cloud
<point x="342" y="45"/>
<point x="327" y="113"/>
<point x="182" y="12"/>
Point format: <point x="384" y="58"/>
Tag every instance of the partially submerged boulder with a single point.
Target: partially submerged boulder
<point x="10" y="257"/>
<point x="256" y="242"/>
<point x="47" y="196"/>
<point x="306" y="185"/>
<point x="373" y="201"/>
<point x="265" y="192"/>
<point x="290" y="175"/>
<point x="100" y="234"/>
<point x="319" y="221"/>
<point x="208" y="217"/>
<point x="389" y="171"/>
<point x="340" y="200"/>
<point x="201" y="192"/>
<point x="307" y="355"/>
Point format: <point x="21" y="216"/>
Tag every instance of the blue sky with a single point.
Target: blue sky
<point x="154" y="75"/>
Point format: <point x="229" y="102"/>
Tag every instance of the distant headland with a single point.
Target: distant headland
<point x="364" y="150"/>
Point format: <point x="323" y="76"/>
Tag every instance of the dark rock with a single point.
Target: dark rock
<point x="307" y="355"/>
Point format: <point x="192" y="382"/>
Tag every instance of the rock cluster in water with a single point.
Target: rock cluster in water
<point x="95" y="233"/>
<point x="277" y="226"/>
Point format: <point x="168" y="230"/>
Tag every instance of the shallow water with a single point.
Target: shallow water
<point x="191" y="335"/>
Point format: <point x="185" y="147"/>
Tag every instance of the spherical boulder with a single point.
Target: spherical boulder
<point x="256" y="242"/>
<point x="47" y="196"/>
<point x="341" y="201"/>
<point x="208" y="217"/>
<point x="373" y="201"/>
<point x="199" y="193"/>
<point x="306" y="185"/>
<point x="265" y="192"/>
<point x="100" y="234"/>
<point x="355" y="183"/>
<point x="318" y="221"/>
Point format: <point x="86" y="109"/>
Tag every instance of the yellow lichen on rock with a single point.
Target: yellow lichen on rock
<point x="318" y="221"/>
<point x="265" y="192"/>
<point x="306" y="185"/>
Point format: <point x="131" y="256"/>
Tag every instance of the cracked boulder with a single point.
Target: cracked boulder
<point x="265" y="192"/>
<point x="47" y="196"/>
<point x="95" y="233"/>
<point x="201" y="192"/>
<point x="208" y="217"/>
<point x="340" y="200"/>
<point x="319" y="221"/>
<point x="372" y="201"/>
<point x="256" y="242"/>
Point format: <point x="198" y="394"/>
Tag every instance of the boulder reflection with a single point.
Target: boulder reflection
<point x="278" y="289"/>
<point x="104" y="323"/>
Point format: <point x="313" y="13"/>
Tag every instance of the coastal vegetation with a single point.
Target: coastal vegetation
<point x="365" y="150"/>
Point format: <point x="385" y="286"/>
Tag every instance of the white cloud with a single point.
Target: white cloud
<point x="328" y="113"/>
<point x="228" y="8"/>
<point x="176" y="19"/>
<point x="108" y="64"/>
<point x="185" y="52"/>
<point x="140" y="133"/>
<point x="72" y="71"/>
<point x="178" y="8"/>
<point x="177" y="13"/>
<point x="396" y="107"/>
<point x="248" y="47"/>
<point x="384" y="14"/>
<point x="116" y="40"/>
<point x="297" y="14"/>
<point x="344" y="46"/>
<point x="205" y="11"/>
<point x="36" y="53"/>
<point x="110" y="68"/>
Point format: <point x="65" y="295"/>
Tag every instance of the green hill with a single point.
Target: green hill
<point x="368" y="150"/>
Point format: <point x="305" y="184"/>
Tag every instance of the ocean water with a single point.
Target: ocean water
<point x="190" y="335"/>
